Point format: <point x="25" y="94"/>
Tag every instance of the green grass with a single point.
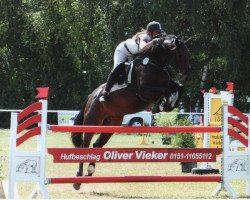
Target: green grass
<point x="115" y="190"/>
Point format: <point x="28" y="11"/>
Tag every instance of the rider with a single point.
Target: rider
<point x="140" y="42"/>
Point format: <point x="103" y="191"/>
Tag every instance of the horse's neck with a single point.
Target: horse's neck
<point x="149" y="81"/>
<point x="157" y="55"/>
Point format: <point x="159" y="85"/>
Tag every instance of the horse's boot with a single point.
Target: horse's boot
<point x="162" y="105"/>
<point x="175" y="97"/>
<point x="167" y="104"/>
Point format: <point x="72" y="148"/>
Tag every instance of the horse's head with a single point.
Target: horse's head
<point x="169" y="51"/>
<point x="179" y="55"/>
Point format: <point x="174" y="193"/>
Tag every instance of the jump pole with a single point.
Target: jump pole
<point x="133" y="179"/>
<point x="133" y="129"/>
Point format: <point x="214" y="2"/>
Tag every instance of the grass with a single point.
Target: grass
<point x="115" y="190"/>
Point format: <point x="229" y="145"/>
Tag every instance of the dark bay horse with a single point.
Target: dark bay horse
<point x="149" y="83"/>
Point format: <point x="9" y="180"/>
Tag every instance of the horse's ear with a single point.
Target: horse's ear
<point x="186" y="41"/>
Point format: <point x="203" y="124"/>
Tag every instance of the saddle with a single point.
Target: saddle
<point x="125" y="77"/>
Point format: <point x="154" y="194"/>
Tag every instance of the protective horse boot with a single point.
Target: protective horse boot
<point x="176" y="96"/>
<point x="171" y="101"/>
<point x="176" y="90"/>
<point x="112" y="79"/>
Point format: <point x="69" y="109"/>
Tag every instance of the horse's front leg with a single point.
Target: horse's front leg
<point x="171" y="98"/>
<point x="176" y="91"/>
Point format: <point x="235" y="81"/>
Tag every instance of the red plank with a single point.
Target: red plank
<point x="131" y="129"/>
<point x="238" y="125"/>
<point x="123" y="179"/>
<point x="237" y="113"/>
<point x="30" y="109"/>
<point x="70" y="155"/>
<point x="30" y="121"/>
<point x="232" y="133"/>
<point x="32" y="132"/>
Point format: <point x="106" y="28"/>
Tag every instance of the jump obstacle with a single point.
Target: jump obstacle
<point x="212" y="117"/>
<point x="30" y="166"/>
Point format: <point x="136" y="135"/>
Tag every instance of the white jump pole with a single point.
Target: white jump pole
<point x="20" y="160"/>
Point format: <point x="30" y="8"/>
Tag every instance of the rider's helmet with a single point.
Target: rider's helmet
<point x="154" y="26"/>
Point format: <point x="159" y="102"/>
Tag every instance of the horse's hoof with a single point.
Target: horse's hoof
<point x="77" y="186"/>
<point x="91" y="169"/>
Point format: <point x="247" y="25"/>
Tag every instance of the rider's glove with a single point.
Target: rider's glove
<point x="157" y="41"/>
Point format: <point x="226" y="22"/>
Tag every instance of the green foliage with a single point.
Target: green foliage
<point x="69" y="45"/>
<point x="166" y="119"/>
<point x="180" y="140"/>
<point x="183" y="140"/>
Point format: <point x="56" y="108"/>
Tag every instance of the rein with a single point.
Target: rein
<point x="145" y="61"/>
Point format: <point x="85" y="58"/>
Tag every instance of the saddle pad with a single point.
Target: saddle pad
<point x="117" y="86"/>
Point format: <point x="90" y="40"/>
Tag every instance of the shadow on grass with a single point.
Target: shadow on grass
<point x="108" y="194"/>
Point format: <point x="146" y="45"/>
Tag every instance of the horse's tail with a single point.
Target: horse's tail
<point x="76" y="137"/>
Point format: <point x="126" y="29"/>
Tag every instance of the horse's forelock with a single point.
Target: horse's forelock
<point x="169" y="43"/>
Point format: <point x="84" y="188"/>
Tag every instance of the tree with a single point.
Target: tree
<point x="69" y="45"/>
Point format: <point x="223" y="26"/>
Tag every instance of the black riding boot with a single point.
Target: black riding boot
<point x="112" y="79"/>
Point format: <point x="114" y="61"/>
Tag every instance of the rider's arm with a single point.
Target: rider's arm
<point x="144" y="46"/>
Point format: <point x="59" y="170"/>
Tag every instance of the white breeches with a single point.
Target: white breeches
<point x="120" y="55"/>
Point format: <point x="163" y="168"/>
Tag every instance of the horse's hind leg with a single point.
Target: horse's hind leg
<point x="91" y="167"/>
<point x="103" y="139"/>
<point x="100" y="142"/>
<point x="85" y="144"/>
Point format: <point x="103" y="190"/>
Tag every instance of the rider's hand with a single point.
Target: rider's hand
<point x="157" y="41"/>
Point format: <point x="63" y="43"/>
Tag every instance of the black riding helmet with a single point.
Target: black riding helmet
<point x="154" y="26"/>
